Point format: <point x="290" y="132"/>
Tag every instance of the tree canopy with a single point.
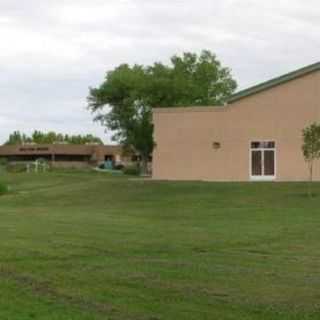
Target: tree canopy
<point x="39" y="137"/>
<point x="124" y="101"/>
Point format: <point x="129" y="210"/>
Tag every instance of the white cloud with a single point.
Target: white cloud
<point x="51" y="51"/>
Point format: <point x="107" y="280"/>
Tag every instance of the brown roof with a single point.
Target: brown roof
<point x="274" y="82"/>
<point x="67" y="149"/>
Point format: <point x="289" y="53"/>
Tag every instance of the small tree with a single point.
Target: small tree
<point x="311" y="148"/>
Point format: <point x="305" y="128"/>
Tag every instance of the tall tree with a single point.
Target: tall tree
<point x="123" y="102"/>
<point x="18" y="138"/>
<point x="311" y="148"/>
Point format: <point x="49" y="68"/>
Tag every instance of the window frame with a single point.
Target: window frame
<point x="263" y="177"/>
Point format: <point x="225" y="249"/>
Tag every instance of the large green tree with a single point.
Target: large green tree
<point x="123" y="102"/>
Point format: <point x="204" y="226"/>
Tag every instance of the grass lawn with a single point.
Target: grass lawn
<point x="84" y="245"/>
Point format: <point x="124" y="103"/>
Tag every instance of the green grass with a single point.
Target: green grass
<point x="88" y="245"/>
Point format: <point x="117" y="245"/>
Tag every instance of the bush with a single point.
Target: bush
<point x="3" y="164"/>
<point x="16" y="167"/>
<point x="3" y="188"/>
<point x="132" y="171"/>
<point x="119" y="167"/>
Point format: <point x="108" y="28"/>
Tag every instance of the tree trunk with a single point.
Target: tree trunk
<point x="144" y="165"/>
<point x="310" y="179"/>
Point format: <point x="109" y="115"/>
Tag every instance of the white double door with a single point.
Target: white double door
<point x="263" y="165"/>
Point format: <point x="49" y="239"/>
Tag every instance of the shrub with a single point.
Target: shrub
<point x="3" y="188"/>
<point x="131" y="170"/>
<point x="119" y="167"/>
<point x="16" y="167"/>
<point x="3" y="164"/>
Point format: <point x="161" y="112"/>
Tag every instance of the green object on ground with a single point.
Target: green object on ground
<point x="88" y="245"/>
<point x="3" y="188"/>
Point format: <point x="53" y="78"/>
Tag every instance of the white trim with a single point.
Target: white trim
<point x="262" y="177"/>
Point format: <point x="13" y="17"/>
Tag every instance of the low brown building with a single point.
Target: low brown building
<point x="256" y="136"/>
<point x="65" y="155"/>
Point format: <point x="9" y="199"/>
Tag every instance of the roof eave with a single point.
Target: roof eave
<point x="274" y="82"/>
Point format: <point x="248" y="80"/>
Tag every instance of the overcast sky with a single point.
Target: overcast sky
<point x="52" y="51"/>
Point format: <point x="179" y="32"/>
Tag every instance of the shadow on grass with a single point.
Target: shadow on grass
<point x="303" y="195"/>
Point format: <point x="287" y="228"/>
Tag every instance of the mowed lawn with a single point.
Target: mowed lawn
<point x="84" y="245"/>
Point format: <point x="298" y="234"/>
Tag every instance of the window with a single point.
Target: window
<point x="109" y="157"/>
<point x="28" y="157"/>
<point x="262" y="145"/>
<point x="263" y="160"/>
<point x="72" y="157"/>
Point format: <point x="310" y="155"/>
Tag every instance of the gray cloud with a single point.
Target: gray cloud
<point x="52" y="51"/>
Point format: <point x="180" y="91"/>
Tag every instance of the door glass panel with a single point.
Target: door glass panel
<point x="269" y="144"/>
<point x="255" y="145"/>
<point x="262" y="145"/>
<point x="269" y="163"/>
<point x="256" y="163"/>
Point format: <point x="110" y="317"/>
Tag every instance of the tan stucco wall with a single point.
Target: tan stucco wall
<point x="184" y="136"/>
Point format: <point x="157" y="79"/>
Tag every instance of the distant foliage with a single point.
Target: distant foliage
<point x="3" y="188"/>
<point x="16" y="167"/>
<point x="39" y="137"/>
<point x="3" y="162"/>
<point x="131" y="170"/>
<point x="3" y="165"/>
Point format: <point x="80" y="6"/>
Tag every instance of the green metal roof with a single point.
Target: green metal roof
<point x="275" y="82"/>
